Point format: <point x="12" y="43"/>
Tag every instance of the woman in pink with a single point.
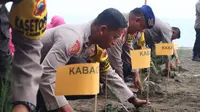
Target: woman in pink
<point x="55" y="21"/>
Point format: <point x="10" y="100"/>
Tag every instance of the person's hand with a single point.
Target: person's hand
<point x="20" y="108"/>
<point x="66" y="108"/>
<point x="137" y="81"/>
<point x="138" y="102"/>
<point x="172" y="66"/>
<point x="178" y="61"/>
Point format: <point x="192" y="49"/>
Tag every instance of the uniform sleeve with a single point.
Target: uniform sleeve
<point x="67" y="43"/>
<point x="166" y="32"/>
<point x="114" y="55"/>
<point x="116" y="84"/>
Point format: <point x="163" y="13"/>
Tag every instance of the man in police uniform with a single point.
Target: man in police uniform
<point x="139" y="19"/>
<point x="65" y="41"/>
<point x="28" y="22"/>
<point x="162" y="32"/>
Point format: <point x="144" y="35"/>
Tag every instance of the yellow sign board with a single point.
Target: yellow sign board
<point x="140" y="58"/>
<point x="175" y="46"/>
<point x="77" y="79"/>
<point x="164" y="49"/>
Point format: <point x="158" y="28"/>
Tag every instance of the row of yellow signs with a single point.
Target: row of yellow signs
<point x="83" y="79"/>
<point x="141" y="58"/>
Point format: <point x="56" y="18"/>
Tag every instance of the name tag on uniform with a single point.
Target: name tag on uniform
<point x="164" y="49"/>
<point x="140" y="58"/>
<point x="77" y="79"/>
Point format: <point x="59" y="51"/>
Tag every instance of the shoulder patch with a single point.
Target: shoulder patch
<point x="39" y="7"/>
<point x="75" y="48"/>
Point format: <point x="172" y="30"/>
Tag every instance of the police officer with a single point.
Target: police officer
<point x="65" y="41"/>
<point x="162" y="32"/>
<point x="28" y="22"/>
<point x="138" y="21"/>
<point x="119" y="55"/>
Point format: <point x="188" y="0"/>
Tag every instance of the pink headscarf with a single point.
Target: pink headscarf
<point x="55" y="21"/>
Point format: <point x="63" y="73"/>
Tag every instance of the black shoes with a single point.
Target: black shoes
<point x="196" y="58"/>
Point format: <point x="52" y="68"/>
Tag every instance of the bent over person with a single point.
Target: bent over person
<point x="65" y="41"/>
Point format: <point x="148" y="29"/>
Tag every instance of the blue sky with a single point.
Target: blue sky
<point x="179" y="13"/>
